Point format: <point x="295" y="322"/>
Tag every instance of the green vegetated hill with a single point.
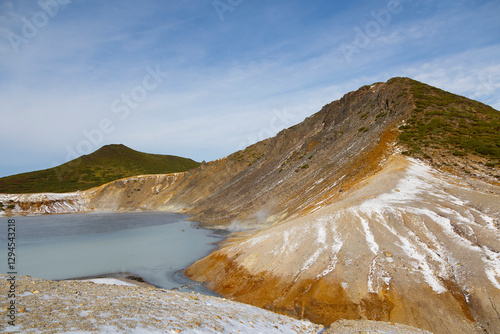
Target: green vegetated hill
<point x="450" y="124"/>
<point x="109" y="163"/>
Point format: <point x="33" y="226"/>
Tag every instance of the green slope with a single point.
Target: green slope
<point x="450" y="124"/>
<point x="109" y="163"/>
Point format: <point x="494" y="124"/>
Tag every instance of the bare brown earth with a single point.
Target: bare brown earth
<point x="337" y="224"/>
<point x="316" y="161"/>
<point x="415" y="256"/>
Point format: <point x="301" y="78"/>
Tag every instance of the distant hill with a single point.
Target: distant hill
<point x="110" y="162"/>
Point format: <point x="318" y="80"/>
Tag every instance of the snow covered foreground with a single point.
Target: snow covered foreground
<point x="82" y="307"/>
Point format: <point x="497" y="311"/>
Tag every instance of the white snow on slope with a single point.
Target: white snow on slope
<point x="370" y="239"/>
<point x="45" y="203"/>
<point x="416" y="181"/>
<point x="321" y="241"/>
<point x="409" y="222"/>
<point x="492" y="262"/>
<point x="412" y="191"/>
<point x="336" y="245"/>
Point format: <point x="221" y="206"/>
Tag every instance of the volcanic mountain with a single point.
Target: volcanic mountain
<point x="384" y="205"/>
<point x="107" y="164"/>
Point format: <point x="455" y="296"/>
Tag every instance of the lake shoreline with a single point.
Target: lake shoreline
<point x="85" y="307"/>
<point x="121" y="276"/>
<point x="187" y="286"/>
<point x="144" y="249"/>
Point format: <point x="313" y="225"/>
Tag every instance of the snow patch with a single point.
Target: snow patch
<point x="336" y="245"/>
<point x="255" y="240"/>
<point x="110" y="281"/>
<point x="321" y="233"/>
<point x="422" y="265"/>
<point x="321" y="239"/>
<point x="370" y="239"/>
<point x="416" y="181"/>
<point x="45" y="203"/>
<point x="371" y="275"/>
<point x="492" y="270"/>
<point x="445" y="223"/>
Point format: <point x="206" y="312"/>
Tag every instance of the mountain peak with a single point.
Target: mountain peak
<point x="115" y="147"/>
<point x="107" y="164"/>
<point x="112" y="149"/>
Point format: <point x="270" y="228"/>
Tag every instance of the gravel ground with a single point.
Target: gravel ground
<point x="366" y="326"/>
<point x="82" y="306"/>
<point x="76" y="306"/>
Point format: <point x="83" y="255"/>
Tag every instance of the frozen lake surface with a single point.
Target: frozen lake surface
<point x="155" y="246"/>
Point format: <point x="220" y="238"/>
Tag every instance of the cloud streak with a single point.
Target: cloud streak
<point x="224" y="79"/>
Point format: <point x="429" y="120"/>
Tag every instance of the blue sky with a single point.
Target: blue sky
<point x="204" y="78"/>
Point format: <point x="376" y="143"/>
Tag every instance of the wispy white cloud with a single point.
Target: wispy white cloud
<point x="224" y="79"/>
<point x="472" y="73"/>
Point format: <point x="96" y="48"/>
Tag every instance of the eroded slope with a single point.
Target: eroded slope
<point x="409" y="237"/>
<point x="304" y="167"/>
